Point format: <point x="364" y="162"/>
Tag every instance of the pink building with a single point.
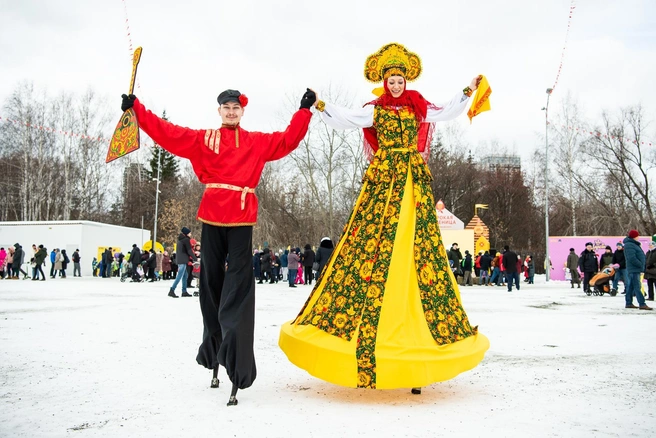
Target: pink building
<point x="559" y="249"/>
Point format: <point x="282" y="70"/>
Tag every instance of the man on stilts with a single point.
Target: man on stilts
<point x="229" y="161"/>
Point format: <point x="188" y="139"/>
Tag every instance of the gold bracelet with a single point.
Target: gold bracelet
<point x="467" y="91"/>
<point x="321" y="105"/>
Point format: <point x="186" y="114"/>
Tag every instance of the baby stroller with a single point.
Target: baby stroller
<point x="195" y="272"/>
<point x="601" y="282"/>
<point x="126" y="271"/>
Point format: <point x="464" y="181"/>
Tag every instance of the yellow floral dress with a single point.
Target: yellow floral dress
<point x="386" y="312"/>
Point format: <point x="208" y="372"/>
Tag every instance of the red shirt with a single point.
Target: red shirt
<point x="235" y="165"/>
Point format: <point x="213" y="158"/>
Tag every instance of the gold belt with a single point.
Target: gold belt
<point x="243" y="190"/>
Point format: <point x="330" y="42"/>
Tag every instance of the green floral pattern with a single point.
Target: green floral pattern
<point x="351" y="298"/>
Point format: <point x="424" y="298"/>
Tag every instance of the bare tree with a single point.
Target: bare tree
<point x="624" y="166"/>
<point x="567" y="134"/>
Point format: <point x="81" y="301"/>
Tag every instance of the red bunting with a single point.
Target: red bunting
<point x="129" y="37"/>
<point x="56" y="131"/>
<point x="572" y="6"/>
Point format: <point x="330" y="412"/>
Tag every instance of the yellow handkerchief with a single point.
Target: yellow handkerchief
<point x="481" y="99"/>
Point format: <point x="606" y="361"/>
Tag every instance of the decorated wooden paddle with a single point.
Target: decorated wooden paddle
<point x="126" y="134"/>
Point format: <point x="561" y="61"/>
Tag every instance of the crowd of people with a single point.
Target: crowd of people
<point x="500" y="268"/>
<point x="138" y="265"/>
<point x="13" y="258"/>
<point x="629" y="262"/>
<point x="291" y="265"/>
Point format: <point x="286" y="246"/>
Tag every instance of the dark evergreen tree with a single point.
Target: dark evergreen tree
<point x="169" y="163"/>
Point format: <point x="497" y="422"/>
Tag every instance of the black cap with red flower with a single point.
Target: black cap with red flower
<point x="232" y="96"/>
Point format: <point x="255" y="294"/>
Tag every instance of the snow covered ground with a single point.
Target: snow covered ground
<point x="96" y="357"/>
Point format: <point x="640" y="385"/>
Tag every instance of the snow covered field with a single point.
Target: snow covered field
<point x="96" y="357"/>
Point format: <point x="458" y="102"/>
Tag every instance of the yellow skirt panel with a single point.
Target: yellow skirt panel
<point x="406" y="354"/>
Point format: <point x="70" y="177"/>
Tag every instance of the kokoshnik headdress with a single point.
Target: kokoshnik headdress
<point x="392" y="59"/>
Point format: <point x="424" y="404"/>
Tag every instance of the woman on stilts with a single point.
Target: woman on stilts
<point x="386" y="311"/>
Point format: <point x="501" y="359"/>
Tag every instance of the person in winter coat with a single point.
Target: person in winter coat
<point x="620" y="273"/>
<point x="495" y="264"/>
<point x="308" y="261"/>
<point x="151" y="263"/>
<point x="160" y="261"/>
<point x="455" y="257"/>
<point x="64" y="263"/>
<point x="166" y="266"/>
<point x="275" y="266"/>
<point x="76" y="264"/>
<point x="108" y="258"/>
<point x="3" y="263"/>
<point x="184" y="254"/>
<point x="467" y="266"/>
<point x="650" y="270"/>
<point x="588" y="265"/>
<point x="606" y="258"/>
<point x="135" y="260"/>
<point x="10" y="263"/>
<point x="484" y="272"/>
<point x="265" y="266"/>
<point x="531" y="269"/>
<point x="509" y="261"/>
<point x="293" y="262"/>
<point x="283" y="265"/>
<point x="53" y="256"/>
<point x="39" y="259"/>
<point x="257" y="265"/>
<point x="58" y="264"/>
<point x="573" y="265"/>
<point x="477" y="264"/>
<point x="323" y="253"/>
<point x="635" y="265"/>
<point x="19" y="259"/>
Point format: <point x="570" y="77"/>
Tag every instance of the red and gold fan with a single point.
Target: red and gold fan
<point x="126" y="134"/>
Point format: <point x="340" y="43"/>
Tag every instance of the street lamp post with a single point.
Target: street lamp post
<point x="547" y="265"/>
<point x="159" y="153"/>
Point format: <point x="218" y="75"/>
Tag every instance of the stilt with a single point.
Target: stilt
<point x="233" y="399"/>
<point x="416" y="390"/>
<point x="215" y="377"/>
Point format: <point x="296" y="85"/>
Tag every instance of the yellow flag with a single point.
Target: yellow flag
<point x="378" y="91"/>
<point x="481" y="99"/>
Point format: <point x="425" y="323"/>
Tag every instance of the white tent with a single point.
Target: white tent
<point x="89" y="237"/>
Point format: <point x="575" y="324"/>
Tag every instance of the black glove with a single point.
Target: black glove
<point x="128" y="101"/>
<point x="308" y="99"/>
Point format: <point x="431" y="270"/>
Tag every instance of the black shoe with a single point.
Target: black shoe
<point x="215" y="383"/>
<point x="185" y="294"/>
<point x="172" y="294"/>
<point x="416" y="390"/>
<point x="624" y="293"/>
<point x="292" y="285"/>
<point x="259" y="282"/>
<point x="233" y="401"/>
